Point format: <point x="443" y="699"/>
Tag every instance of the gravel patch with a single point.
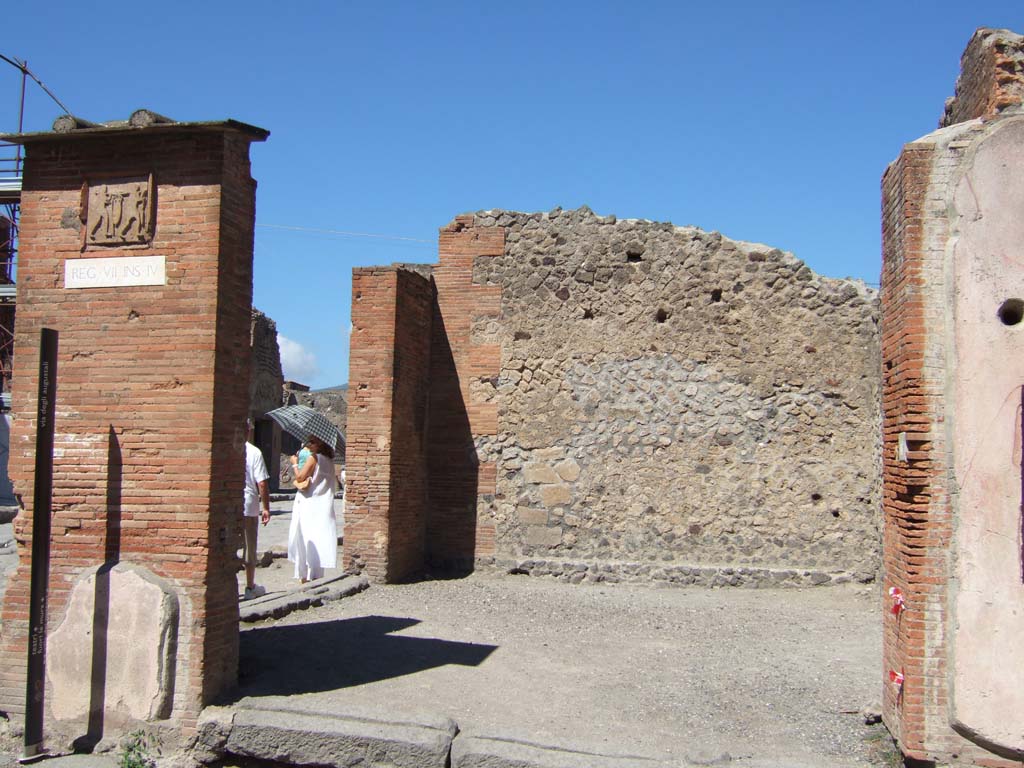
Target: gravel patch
<point x="740" y="677"/>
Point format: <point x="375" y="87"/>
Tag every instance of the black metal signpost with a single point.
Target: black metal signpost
<point x="42" y="503"/>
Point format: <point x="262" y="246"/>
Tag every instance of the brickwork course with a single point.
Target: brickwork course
<point x="630" y="400"/>
<point x="927" y="634"/>
<point x="152" y="388"/>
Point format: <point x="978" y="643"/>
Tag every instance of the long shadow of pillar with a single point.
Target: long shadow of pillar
<point x="101" y="610"/>
<point x="452" y="463"/>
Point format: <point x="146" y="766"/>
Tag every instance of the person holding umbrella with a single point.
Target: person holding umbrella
<point x="313" y="536"/>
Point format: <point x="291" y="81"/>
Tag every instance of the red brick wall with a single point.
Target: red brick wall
<point x="458" y="482"/>
<point x="914" y="500"/>
<point x="919" y="523"/>
<point x="991" y="77"/>
<point x="368" y="450"/>
<point x="408" y="511"/>
<point x="414" y="482"/>
<point x="386" y="470"/>
<point x="152" y="392"/>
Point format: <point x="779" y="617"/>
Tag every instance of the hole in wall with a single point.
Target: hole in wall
<point x="1011" y="311"/>
<point x="815" y="497"/>
<point x="835" y="513"/>
<point x="588" y="314"/>
<point x="662" y="315"/>
<point x="634" y="258"/>
<point x="716" y="295"/>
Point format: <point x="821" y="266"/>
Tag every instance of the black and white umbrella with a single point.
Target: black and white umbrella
<point x="301" y="421"/>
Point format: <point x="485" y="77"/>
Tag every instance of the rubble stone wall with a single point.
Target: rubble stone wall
<point x="267" y="378"/>
<point x="675" y="405"/>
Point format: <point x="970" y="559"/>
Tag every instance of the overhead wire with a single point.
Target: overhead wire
<point x="316" y="230"/>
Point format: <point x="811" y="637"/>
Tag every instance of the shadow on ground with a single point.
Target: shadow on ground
<point x="330" y="655"/>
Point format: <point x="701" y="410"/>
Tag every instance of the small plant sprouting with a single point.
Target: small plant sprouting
<point x="136" y="751"/>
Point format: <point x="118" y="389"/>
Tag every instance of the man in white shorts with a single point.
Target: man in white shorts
<point x="256" y="494"/>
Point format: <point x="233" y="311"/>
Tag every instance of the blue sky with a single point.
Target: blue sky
<point x="770" y="122"/>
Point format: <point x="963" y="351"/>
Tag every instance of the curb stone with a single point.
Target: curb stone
<point x="331" y="740"/>
<point x="487" y="752"/>
<point x="274" y="606"/>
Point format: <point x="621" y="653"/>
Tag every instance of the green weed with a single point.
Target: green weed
<point x="135" y="752"/>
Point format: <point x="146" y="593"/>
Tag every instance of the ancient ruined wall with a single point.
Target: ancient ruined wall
<point x="461" y="478"/>
<point x="675" y="405"/>
<point x="991" y="77"/>
<point x="152" y="393"/>
<point x="952" y="308"/>
<point x="386" y="498"/>
<point x="267" y="378"/>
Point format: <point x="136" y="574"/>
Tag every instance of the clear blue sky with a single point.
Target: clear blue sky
<point x="770" y="122"/>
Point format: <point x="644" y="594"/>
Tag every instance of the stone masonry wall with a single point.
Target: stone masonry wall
<point x="267" y="378"/>
<point x="675" y="405"/>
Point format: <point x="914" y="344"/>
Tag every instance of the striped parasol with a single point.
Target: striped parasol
<point x="301" y="421"/>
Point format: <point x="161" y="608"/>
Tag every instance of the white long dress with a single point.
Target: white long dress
<point x="313" y="536"/>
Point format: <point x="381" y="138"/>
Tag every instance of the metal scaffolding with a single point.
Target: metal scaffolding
<point x="10" y="206"/>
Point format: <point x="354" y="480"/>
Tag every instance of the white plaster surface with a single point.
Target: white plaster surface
<point x="987" y="267"/>
<point x="134" y="646"/>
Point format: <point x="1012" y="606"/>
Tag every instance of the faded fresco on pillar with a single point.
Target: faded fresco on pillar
<point x="987" y="302"/>
<point x="119" y="212"/>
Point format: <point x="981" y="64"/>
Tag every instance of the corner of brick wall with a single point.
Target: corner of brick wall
<point x="368" y="442"/>
<point x="407" y="520"/>
<point x="918" y="517"/>
<point x="459" y="483"/>
<point x="991" y="77"/>
<point x="386" y="465"/>
<point x="152" y="394"/>
<point x="913" y="499"/>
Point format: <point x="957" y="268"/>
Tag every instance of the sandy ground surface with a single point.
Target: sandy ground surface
<point x="776" y="676"/>
<point x="730" y="676"/>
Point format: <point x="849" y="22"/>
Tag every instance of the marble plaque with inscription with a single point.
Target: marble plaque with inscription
<point x="118" y="271"/>
<point x="119" y="213"/>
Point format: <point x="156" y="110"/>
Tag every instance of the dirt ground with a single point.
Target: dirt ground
<point x="725" y="677"/>
<point x="730" y="676"/>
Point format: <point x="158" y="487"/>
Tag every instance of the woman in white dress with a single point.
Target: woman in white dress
<point x="313" y="536"/>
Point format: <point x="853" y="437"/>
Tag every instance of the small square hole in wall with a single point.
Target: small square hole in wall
<point x="662" y="315"/>
<point x="716" y="295"/>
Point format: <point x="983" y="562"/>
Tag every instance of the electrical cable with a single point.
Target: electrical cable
<point x="343" y="232"/>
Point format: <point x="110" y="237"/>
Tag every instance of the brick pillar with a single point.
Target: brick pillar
<point x="459" y="483"/>
<point x="152" y="392"/>
<point x="952" y="308"/>
<point x="415" y="484"/>
<point x="386" y="465"/>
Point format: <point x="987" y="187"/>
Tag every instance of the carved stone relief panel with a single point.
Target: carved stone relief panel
<point x="119" y="212"/>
